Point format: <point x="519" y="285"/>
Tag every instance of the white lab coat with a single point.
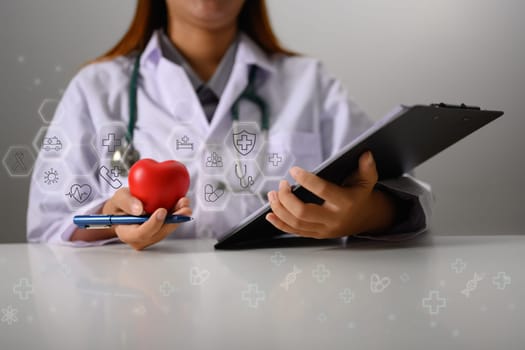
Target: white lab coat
<point x="311" y="118"/>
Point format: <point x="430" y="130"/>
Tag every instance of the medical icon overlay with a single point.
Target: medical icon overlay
<point x="321" y="273"/>
<point x="347" y="295"/>
<point x="23" y="288"/>
<point x="501" y="280"/>
<point x="212" y="194"/>
<point x="51" y="142"/>
<point x="9" y="315"/>
<point x="472" y="284"/>
<point x="18" y="161"/>
<point x="244" y="142"/>
<point x="405" y="277"/>
<point x="275" y="159"/>
<point x="51" y="176"/>
<point x="109" y="139"/>
<point x="245" y="181"/>
<point x="198" y="276"/>
<point x="434" y="302"/>
<point x="166" y="288"/>
<point x="458" y="266"/>
<point x="278" y="258"/>
<point x="79" y="192"/>
<point x="253" y="296"/>
<point x="111" y="142"/>
<point x="111" y="177"/>
<point x="290" y="278"/>
<point x="184" y="143"/>
<point x="214" y="161"/>
<point x="379" y="284"/>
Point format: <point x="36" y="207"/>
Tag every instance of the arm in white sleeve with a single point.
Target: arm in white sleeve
<point x="50" y="209"/>
<point x="341" y="122"/>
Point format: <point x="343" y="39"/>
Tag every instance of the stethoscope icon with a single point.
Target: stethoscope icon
<point x="244" y="181"/>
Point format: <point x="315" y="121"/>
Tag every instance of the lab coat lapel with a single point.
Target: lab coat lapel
<point x="235" y="86"/>
<point x="178" y="95"/>
<point x="248" y="53"/>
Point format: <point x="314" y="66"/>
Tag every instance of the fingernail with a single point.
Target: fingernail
<point x="369" y="158"/>
<point x="136" y="208"/>
<point x="294" y="171"/>
<point x="284" y="185"/>
<point x="161" y="214"/>
<point x="271" y="196"/>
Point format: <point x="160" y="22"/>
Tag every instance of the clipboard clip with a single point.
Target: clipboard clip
<point x="461" y="106"/>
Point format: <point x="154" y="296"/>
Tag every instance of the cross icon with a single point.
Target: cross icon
<point x="275" y="159"/>
<point x="501" y="280"/>
<point x="434" y="303"/>
<point x="459" y="265"/>
<point x="321" y="273"/>
<point x="278" y="258"/>
<point x="253" y="295"/>
<point x="244" y="143"/>
<point x="347" y="295"/>
<point x="116" y="171"/>
<point x="23" y="289"/>
<point x="111" y="142"/>
<point x="166" y="288"/>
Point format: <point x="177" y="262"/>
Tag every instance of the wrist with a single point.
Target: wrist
<point x="381" y="212"/>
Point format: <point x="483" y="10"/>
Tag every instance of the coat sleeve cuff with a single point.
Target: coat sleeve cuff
<point x="414" y="200"/>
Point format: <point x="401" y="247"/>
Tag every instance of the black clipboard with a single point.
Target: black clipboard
<point x="402" y="140"/>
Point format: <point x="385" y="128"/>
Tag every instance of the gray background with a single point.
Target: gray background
<point x="386" y="53"/>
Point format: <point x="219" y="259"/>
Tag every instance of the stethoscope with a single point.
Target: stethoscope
<point x="126" y="154"/>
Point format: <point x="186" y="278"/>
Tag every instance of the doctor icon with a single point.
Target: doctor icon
<point x="213" y="66"/>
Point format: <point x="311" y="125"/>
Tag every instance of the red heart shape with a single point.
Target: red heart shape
<point x="158" y="185"/>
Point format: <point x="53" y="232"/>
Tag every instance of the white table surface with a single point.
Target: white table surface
<point x="182" y="294"/>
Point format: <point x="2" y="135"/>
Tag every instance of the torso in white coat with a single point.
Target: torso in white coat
<point x="311" y="117"/>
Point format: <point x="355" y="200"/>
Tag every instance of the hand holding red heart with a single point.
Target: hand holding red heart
<point x="158" y="185"/>
<point x="157" y="189"/>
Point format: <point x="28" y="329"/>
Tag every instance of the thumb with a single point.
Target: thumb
<point x="367" y="170"/>
<point x="366" y="176"/>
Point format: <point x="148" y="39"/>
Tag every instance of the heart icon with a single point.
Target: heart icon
<point x="158" y="185"/>
<point x="378" y="284"/>
<point x="80" y="193"/>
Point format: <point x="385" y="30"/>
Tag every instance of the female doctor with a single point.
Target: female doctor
<point x="186" y="79"/>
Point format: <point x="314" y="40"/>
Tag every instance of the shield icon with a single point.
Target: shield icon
<point x="244" y="142"/>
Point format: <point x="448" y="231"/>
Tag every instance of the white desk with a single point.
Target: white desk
<point x="184" y="295"/>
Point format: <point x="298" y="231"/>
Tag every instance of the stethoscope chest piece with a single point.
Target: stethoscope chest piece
<point x="124" y="158"/>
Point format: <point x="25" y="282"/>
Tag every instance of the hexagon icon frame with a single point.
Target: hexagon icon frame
<point x="109" y="137"/>
<point x="23" y="150"/>
<point x="244" y="140"/>
<point x="81" y="193"/>
<point x="208" y="191"/>
<point x="244" y="177"/>
<point x="43" y="109"/>
<point x="185" y="143"/>
<point x="50" y="175"/>
<point x="49" y="145"/>
<point x="275" y="160"/>
<point x="215" y="159"/>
